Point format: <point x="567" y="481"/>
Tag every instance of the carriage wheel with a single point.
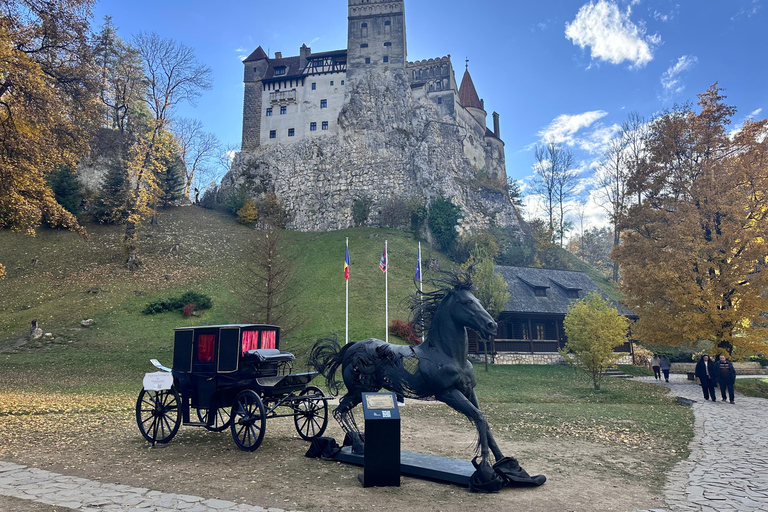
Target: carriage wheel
<point x="310" y="416"/>
<point x="249" y="420"/>
<point x="220" y="421"/>
<point x="158" y="415"/>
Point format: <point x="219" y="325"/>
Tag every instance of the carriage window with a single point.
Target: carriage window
<point x="250" y="340"/>
<point x="205" y="348"/>
<point x="268" y="339"/>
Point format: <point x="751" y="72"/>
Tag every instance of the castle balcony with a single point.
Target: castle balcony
<point x="283" y="96"/>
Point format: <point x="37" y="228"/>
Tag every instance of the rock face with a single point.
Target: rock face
<point x="391" y="144"/>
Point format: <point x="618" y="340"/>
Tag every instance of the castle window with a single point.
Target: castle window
<point x="387" y="44"/>
<point x="314" y="85"/>
<point x="283" y="110"/>
<point x="269" y="111"/>
<point x="313" y="127"/>
<point x="272" y="134"/>
<point x="331" y="82"/>
<point x="364" y="45"/>
<point x="279" y="71"/>
<point x="325" y="125"/>
<point x="540" y="291"/>
<point x="386" y="58"/>
<point x="323" y="103"/>
<point x="387" y="27"/>
<point x="290" y="132"/>
<point x="342" y="82"/>
<point x="364" y="30"/>
<point x="439" y="101"/>
<point x="367" y="60"/>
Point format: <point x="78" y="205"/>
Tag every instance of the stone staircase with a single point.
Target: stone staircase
<point x="613" y="372"/>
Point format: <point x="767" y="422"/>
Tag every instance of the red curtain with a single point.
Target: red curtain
<point x="268" y="339"/>
<point x="205" y="348"/>
<point x="250" y="340"/>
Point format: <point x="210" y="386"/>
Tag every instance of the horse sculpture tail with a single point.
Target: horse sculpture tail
<point x="326" y="357"/>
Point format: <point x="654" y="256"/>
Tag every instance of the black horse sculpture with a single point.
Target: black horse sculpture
<point x="437" y="368"/>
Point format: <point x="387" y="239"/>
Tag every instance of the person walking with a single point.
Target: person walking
<point x="665" y="366"/>
<point x="706" y="371"/>
<point x="726" y="376"/>
<point x="655" y="366"/>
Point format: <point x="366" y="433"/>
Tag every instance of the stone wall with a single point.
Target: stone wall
<point x="528" y="358"/>
<point x="390" y="144"/>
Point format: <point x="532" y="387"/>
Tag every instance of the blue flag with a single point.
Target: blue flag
<point x="418" y="266"/>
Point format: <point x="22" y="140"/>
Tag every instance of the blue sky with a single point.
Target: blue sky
<point x="571" y="69"/>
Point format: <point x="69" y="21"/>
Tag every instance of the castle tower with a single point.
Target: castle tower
<point x="256" y="66"/>
<point x="469" y="99"/>
<point x="375" y="35"/>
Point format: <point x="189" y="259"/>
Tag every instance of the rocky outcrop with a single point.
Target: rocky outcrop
<point x="390" y="145"/>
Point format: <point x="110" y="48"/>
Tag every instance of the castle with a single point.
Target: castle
<point x="322" y="129"/>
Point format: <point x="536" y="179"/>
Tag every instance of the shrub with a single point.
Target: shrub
<point x="443" y="218"/>
<point x="404" y="330"/>
<point x="248" y="214"/>
<point x="418" y="213"/>
<point x="361" y="208"/>
<point x="395" y="214"/>
<point x="188" y="310"/>
<point x="198" y="301"/>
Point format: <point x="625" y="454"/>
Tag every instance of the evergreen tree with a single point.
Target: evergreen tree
<point x="442" y="219"/>
<point x="66" y="189"/>
<point x="109" y="207"/>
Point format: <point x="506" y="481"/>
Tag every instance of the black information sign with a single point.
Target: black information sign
<point x="381" y="466"/>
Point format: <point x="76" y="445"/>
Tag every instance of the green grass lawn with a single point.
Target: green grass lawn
<point x="752" y="387"/>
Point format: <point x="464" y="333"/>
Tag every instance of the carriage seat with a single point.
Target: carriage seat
<point x="268" y="355"/>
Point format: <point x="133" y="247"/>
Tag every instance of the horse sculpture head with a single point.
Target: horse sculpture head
<point x="467" y="311"/>
<point x="453" y="297"/>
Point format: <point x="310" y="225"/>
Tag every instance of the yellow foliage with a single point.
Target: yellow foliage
<point x="248" y="214"/>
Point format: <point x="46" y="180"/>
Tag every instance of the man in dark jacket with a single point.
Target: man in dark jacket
<point x="726" y="376"/>
<point x="706" y="371"/>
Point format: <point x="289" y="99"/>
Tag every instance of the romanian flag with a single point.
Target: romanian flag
<point x="346" y="266"/>
<point x="383" y="262"/>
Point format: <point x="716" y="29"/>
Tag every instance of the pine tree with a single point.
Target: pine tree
<point x="109" y="207"/>
<point x="66" y="189"/>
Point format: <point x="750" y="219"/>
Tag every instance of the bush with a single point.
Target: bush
<point x="418" y="213"/>
<point x="404" y="330"/>
<point x="361" y="208"/>
<point x="395" y="214"/>
<point x="198" y="301"/>
<point x="248" y="214"/>
<point x="443" y="218"/>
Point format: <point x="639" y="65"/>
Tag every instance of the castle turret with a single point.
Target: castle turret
<point x="375" y="35"/>
<point x="256" y="66"/>
<point x="469" y="99"/>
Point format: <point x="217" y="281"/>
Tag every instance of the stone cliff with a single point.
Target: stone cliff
<point x="391" y="143"/>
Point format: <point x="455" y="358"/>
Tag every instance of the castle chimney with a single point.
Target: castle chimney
<point x="304" y="53"/>
<point x="278" y="55"/>
<point x="496" y="130"/>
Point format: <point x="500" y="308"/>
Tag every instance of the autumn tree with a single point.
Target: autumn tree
<point x="173" y="75"/>
<point x="47" y="107"/>
<point x="694" y="246"/>
<point x="593" y="328"/>
<point x="618" y="164"/>
<point x="265" y="284"/>
<point x="199" y="149"/>
<point x="555" y="181"/>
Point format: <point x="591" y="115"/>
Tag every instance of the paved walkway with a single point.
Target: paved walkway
<point x="728" y="466"/>
<point x="727" y="470"/>
<point x="84" y="495"/>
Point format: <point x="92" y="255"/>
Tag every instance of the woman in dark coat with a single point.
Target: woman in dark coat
<point x="706" y="371"/>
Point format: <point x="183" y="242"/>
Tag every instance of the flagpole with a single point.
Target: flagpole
<point x="421" y="287"/>
<point x="346" y="312"/>
<point x="386" y="291"/>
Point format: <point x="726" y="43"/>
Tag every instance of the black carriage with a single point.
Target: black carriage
<point x="229" y="376"/>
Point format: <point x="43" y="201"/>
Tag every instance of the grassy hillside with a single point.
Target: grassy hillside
<point x="60" y="279"/>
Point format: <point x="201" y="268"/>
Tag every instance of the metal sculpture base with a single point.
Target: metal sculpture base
<point x="421" y="465"/>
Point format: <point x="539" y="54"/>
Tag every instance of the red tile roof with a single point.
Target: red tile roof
<point x="467" y="93"/>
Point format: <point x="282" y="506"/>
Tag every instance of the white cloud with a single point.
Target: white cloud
<point x="572" y="131"/>
<point x="611" y="35"/>
<point x="670" y="80"/>
<point x="754" y="113"/>
<point x="747" y="11"/>
<point x="660" y="17"/>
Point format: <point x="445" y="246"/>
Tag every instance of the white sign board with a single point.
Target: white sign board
<point x="158" y="381"/>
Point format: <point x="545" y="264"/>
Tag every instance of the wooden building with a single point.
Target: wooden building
<point x="532" y="320"/>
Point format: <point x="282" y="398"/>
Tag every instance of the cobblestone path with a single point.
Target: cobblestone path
<point x="727" y="469"/>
